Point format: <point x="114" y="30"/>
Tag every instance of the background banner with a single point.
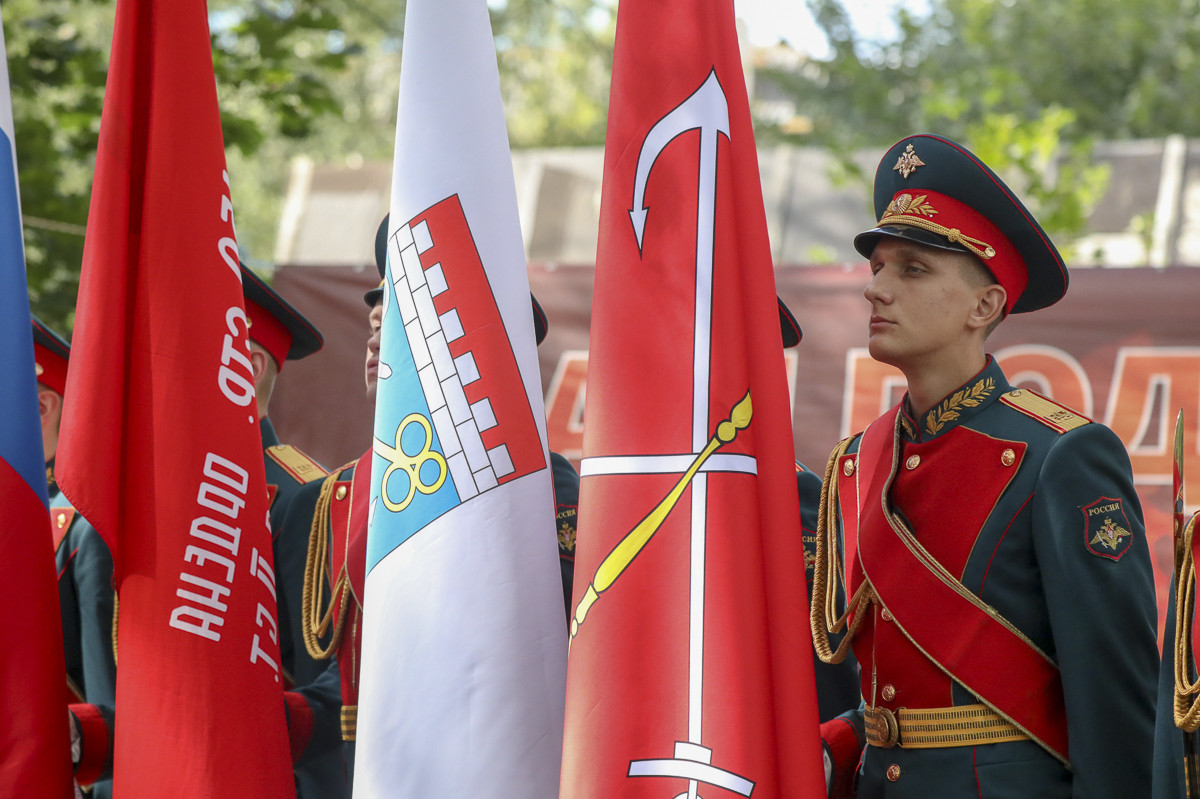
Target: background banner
<point x="1121" y="347"/>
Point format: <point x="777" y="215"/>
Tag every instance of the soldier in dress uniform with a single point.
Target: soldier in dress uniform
<point x="1176" y="768"/>
<point x="85" y="588"/>
<point x="566" y="490"/>
<point x="334" y="515"/>
<point x="1000" y="597"/>
<point x="837" y="683"/>
<point x="280" y="333"/>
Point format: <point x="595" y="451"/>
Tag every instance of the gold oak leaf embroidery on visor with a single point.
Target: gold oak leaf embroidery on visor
<point x="905" y="204"/>
<point x="918" y="213"/>
<point x="936" y="419"/>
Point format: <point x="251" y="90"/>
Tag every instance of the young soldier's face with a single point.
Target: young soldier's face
<point x="920" y="304"/>
<point x="375" y="319"/>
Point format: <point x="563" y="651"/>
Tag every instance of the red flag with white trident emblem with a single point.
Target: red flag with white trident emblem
<point x="690" y="671"/>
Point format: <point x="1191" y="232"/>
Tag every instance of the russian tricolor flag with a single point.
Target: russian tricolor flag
<point x="33" y="689"/>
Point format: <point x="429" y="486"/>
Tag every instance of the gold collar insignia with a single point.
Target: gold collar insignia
<point x="971" y="397"/>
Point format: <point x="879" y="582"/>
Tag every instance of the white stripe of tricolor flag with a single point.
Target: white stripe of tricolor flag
<point x="464" y="641"/>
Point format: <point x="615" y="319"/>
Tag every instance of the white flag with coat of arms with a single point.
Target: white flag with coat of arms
<point x="464" y="636"/>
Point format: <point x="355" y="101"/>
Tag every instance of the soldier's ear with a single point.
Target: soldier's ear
<point x="989" y="307"/>
<point x="50" y="404"/>
<point x="260" y="363"/>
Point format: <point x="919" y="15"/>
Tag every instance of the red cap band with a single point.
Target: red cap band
<point x="269" y="332"/>
<point x="51" y="369"/>
<point x="960" y="224"/>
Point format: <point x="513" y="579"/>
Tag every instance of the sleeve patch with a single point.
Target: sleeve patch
<point x="301" y="467"/>
<point x="565" y="522"/>
<point x="1106" y="528"/>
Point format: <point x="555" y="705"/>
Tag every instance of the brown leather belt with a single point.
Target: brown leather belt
<point x="938" y="727"/>
<point x="349" y="722"/>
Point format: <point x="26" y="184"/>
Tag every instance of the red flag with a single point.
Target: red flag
<point x="691" y="664"/>
<point x="160" y="448"/>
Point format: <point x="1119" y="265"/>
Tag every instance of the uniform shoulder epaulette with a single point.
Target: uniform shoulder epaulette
<point x="301" y="467"/>
<point x="1053" y="414"/>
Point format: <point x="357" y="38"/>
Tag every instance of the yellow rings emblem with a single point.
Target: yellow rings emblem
<point x="411" y="465"/>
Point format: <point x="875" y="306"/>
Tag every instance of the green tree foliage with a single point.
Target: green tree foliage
<point x="272" y="61"/>
<point x="555" y="65"/>
<point x="1029" y="85"/>
<point x="554" y="58"/>
<point x="316" y="78"/>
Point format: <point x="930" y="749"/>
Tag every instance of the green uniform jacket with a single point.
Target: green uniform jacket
<point x="85" y="592"/>
<point x="314" y="703"/>
<point x="1169" y="780"/>
<point x="1033" y="509"/>
<point x="837" y="683"/>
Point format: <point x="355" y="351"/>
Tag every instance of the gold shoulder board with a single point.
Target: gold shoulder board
<point x="301" y="467"/>
<point x="1053" y="414"/>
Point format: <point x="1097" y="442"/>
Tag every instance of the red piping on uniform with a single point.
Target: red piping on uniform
<point x="998" y="543"/>
<point x="70" y="558"/>
<point x="975" y="769"/>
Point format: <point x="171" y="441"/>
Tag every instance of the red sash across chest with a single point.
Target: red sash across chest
<point x="912" y="573"/>
<point x="348" y="522"/>
<point x="348" y="528"/>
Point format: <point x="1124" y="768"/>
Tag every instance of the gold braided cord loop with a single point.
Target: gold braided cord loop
<point x="317" y="569"/>
<point x="1187" y="703"/>
<point x="956" y="236"/>
<point x="829" y="574"/>
<point x="116" y="609"/>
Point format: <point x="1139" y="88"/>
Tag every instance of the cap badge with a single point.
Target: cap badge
<point x="38" y="370"/>
<point x="908" y="162"/>
<point x="905" y="204"/>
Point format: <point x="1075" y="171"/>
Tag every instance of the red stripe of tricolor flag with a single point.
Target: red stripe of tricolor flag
<point x="691" y="666"/>
<point x="160" y="445"/>
<point x="34" y="743"/>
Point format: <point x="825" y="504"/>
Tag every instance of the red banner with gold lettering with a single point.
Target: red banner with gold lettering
<point x="160" y="447"/>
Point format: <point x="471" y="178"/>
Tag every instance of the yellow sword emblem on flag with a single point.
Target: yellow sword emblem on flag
<point x="636" y="539"/>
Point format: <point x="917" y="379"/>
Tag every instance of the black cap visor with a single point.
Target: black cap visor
<point x="865" y="242"/>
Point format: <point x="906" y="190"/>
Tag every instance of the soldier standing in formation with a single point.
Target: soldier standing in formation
<point x="333" y="514"/>
<point x="1001" y="603"/>
<point x="279" y="333"/>
<point x="85" y="589"/>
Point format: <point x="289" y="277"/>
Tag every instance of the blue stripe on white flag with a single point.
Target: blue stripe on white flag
<point x="409" y="456"/>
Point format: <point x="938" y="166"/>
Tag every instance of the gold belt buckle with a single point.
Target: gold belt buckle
<point x="883" y="731"/>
